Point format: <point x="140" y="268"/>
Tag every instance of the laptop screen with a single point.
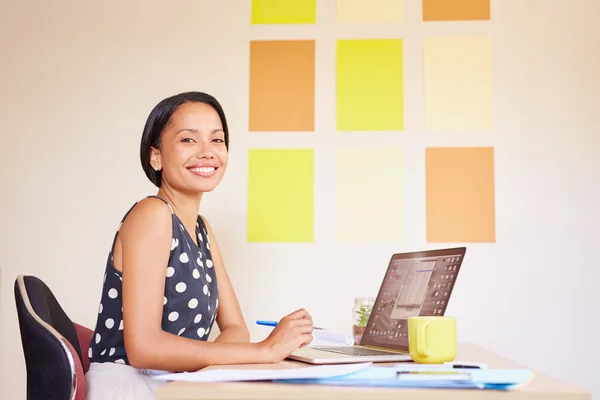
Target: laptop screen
<point x="418" y="283"/>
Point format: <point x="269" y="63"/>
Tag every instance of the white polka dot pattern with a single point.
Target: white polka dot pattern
<point x="190" y="298"/>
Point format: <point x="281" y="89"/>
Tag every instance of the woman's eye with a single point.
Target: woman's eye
<point x="187" y="140"/>
<point x="218" y="140"/>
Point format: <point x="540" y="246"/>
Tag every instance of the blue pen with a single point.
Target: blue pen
<point x="274" y="323"/>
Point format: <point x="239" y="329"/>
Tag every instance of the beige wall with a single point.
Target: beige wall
<point x="79" y="78"/>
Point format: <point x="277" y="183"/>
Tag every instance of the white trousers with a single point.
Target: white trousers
<point x="112" y="381"/>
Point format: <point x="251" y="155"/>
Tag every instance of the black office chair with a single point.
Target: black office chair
<point x="55" y="348"/>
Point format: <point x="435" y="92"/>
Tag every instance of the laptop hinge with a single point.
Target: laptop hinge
<point x="384" y="349"/>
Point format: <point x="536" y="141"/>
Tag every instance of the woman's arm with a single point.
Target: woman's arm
<point x="229" y="316"/>
<point x="145" y="242"/>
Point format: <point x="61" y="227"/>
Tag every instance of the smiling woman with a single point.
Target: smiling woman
<point x="165" y="283"/>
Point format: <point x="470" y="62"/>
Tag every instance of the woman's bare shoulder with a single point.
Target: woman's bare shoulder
<point x="148" y="215"/>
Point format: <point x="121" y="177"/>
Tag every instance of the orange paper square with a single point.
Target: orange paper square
<point x="460" y="194"/>
<point x="456" y="10"/>
<point x="282" y="85"/>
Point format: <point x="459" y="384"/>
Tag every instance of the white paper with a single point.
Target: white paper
<point x="233" y="375"/>
<point x="323" y="337"/>
<point x="327" y="338"/>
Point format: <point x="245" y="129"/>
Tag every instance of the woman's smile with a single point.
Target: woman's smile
<point x="203" y="171"/>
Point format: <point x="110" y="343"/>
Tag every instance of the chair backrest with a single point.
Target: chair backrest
<point x="53" y="355"/>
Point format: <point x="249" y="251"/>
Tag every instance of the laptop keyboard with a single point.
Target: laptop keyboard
<point x="355" y="351"/>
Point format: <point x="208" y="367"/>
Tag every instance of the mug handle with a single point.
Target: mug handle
<point x="422" y="347"/>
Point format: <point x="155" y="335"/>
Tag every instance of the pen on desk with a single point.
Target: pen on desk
<point x="434" y="375"/>
<point x="274" y="323"/>
<point x="417" y="367"/>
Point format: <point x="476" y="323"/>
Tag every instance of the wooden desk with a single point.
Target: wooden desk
<point x="542" y="387"/>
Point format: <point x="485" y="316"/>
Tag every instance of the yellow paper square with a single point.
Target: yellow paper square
<point x="458" y="84"/>
<point x="284" y="11"/>
<point x="370" y="84"/>
<point x="369" y="11"/>
<point x="369" y="192"/>
<point x="280" y="195"/>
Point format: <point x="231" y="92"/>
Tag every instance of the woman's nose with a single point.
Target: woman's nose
<point x="205" y="150"/>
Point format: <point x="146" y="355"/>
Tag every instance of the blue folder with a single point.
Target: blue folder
<point x="492" y="379"/>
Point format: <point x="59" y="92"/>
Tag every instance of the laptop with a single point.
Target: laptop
<point x="416" y="283"/>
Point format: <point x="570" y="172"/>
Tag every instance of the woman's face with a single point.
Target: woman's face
<point x="192" y="155"/>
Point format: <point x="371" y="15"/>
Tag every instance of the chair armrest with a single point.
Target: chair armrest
<point x="84" y="335"/>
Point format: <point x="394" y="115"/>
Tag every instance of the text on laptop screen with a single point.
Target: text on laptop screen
<point x="414" y="284"/>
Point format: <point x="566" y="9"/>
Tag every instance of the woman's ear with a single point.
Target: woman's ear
<point x="155" y="160"/>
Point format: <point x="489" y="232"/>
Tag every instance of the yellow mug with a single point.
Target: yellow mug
<point x="432" y="340"/>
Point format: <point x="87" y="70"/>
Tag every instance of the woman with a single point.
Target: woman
<point x="165" y="282"/>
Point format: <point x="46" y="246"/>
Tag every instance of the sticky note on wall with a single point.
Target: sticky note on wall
<point x="369" y="12"/>
<point x="370" y="85"/>
<point x="460" y="194"/>
<point x="458" y="84"/>
<point x="456" y="10"/>
<point x="282" y="85"/>
<point x="280" y="195"/>
<point x="369" y="192"/>
<point x="284" y="11"/>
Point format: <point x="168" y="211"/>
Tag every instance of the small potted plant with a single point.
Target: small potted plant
<point x="361" y="313"/>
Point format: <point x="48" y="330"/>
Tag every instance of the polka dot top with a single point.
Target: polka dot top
<point x="190" y="299"/>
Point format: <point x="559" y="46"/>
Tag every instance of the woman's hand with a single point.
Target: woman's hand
<point x="292" y="332"/>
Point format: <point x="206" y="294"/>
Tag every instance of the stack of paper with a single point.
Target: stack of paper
<point x="365" y="374"/>
<point x="495" y="379"/>
<point x="232" y="374"/>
